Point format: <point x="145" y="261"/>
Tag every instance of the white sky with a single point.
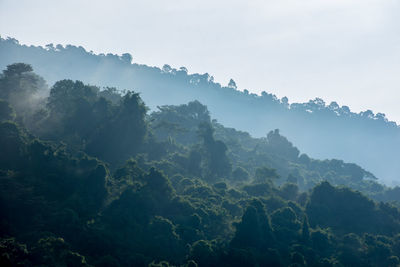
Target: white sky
<point x="340" y="50"/>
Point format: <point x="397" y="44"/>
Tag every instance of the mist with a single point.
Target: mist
<point x="343" y="51"/>
<point x="321" y="130"/>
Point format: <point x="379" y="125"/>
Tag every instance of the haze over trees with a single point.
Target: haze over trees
<point x="319" y="129"/>
<point x="90" y="177"/>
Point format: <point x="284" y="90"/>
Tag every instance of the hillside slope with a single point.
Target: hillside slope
<point x="318" y="129"/>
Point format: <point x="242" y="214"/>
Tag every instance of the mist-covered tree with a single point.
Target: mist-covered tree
<point x="281" y="146"/>
<point x="23" y="89"/>
<point x="240" y="175"/>
<point x="232" y="84"/>
<point x="6" y="111"/>
<point x="264" y="175"/>
<point x="121" y="137"/>
<point x="217" y="162"/>
<point x="254" y="230"/>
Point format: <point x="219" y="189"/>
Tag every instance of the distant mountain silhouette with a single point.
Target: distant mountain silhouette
<point x="320" y="130"/>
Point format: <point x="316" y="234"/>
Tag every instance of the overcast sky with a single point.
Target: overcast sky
<point x="340" y="50"/>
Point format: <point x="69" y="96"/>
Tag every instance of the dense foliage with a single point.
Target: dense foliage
<point x="322" y="130"/>
<point x="88" y="177"/>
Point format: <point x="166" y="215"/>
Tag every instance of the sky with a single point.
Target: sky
<point x="346" y="51"/>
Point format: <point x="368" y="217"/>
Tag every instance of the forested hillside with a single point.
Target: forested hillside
<point x="89" y="176"/>
<point x="319" y="129"/>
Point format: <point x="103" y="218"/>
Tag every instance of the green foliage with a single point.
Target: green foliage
<point x="254" y="231"/>
<point x="13" y="253"/>
<point x="123" y="135"/>
<point x="281" y="146"/>
<point x="6" y="111"/>
<point x="289" y="191"/>
<point x="91" y="179"/>
<point x="264" y="174"/>
<point x="240" y="175"/>
<point x="305" y="231"/>
<point x="23" y="90"/>
<point x="179" y="122"/>
<point x="347" y="211"/>
<point x="217" y="163"/>
<point x="202" y="252"/>
<point x="53" y="251"/>
<point x="318" y="127"/>
<point x="17" y="69"/>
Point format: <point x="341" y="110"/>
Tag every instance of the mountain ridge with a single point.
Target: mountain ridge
<point x="318" y="129"/>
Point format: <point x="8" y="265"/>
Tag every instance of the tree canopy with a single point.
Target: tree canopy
<point x="90" y="177"/>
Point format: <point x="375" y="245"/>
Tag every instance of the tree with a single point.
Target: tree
<point x="17" y="69"/>
<point x="12" y="145"/>
<point x="121" y="136"/>
<point x="127" y="58"/>
<point x="281" y="146"/>
<point x="285" y="224"/>
<point x="289" y="191"/>
<point x="232" y="84"/>
<point x="71" y="113"/>
<point x="52" y="251"/>
<point x="345" y="209"/>
<point x="305" y="230"/>
<point x="217" y="162"/>
<point x="166" y="68"/>
<point x="285" y="101"/>
<point x="202" y="253"/>
<point x="254" y="231"/>
<point x="6" y="111"/>
<point x="162" y="241"/>
<point x="21" y="87"/>
<point x="264" y="175"/>
<point x="240" y="175"/>
<point x="66" y="94"/>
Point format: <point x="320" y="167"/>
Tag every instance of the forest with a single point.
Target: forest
<point x="91" y="176"/>
<point x="321" y="130"/>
